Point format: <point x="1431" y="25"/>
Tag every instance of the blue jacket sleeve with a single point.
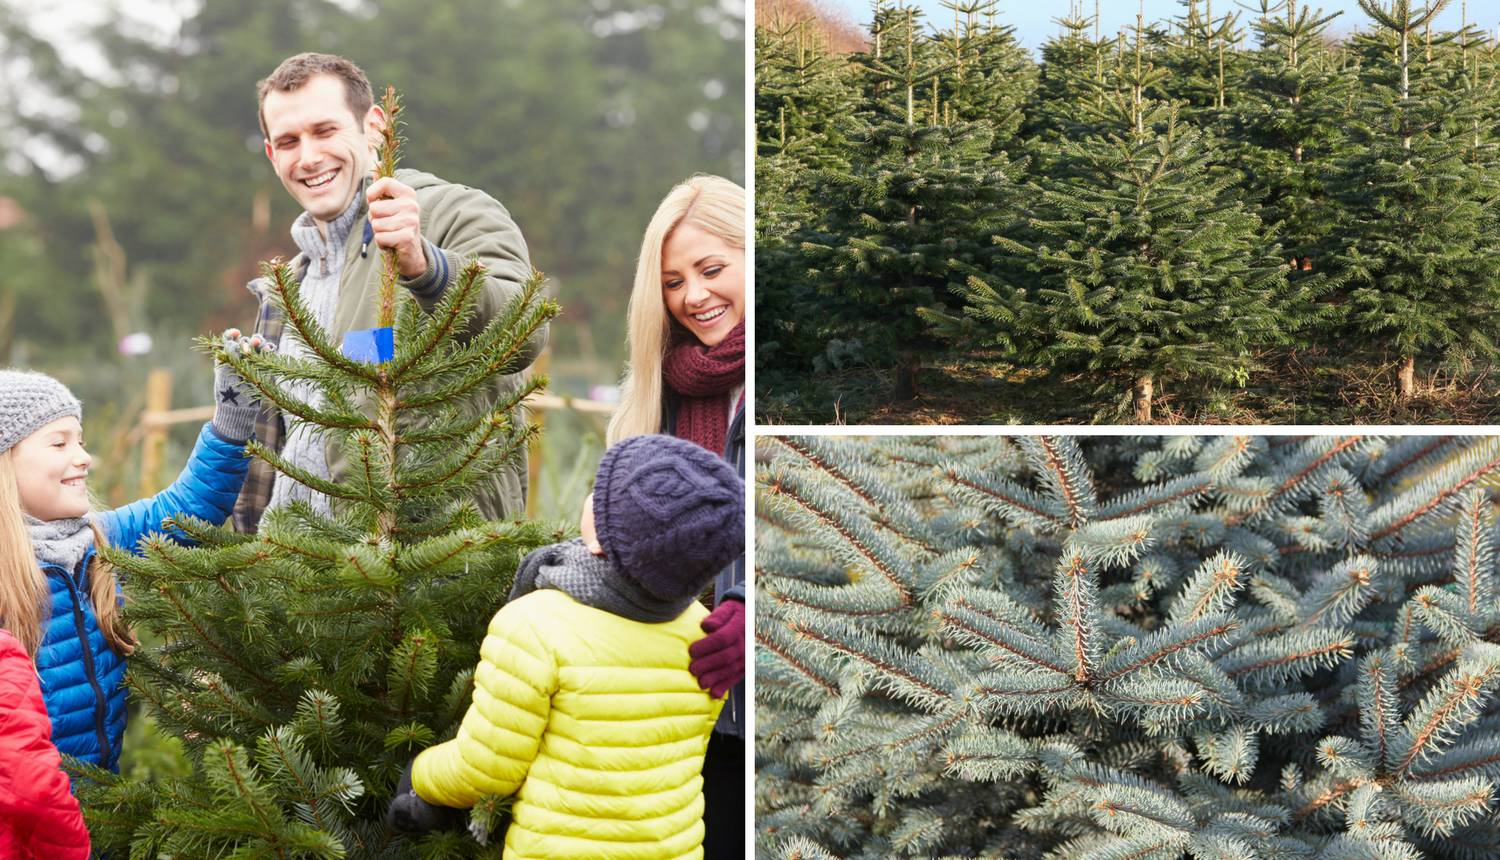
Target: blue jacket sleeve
<point x="206" y="489"/>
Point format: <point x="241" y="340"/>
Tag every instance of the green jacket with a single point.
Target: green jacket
<point x="463" y="224"/>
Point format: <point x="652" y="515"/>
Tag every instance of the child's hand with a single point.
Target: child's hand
<point x="409" y="813"/>
<point x="719" y="658"/>
<point x="234" y="405"/>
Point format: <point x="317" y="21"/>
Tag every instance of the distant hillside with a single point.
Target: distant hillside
<point x="842" y="34"/>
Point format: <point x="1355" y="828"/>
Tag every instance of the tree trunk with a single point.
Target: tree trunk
<point x="907" y="368"/>
<point x="1405" y="90"/>
<point x="1407" y="385"/>
<point x="1142" y="399"/>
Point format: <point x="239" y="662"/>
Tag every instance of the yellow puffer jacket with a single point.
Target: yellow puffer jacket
<point x="596" y="725"/>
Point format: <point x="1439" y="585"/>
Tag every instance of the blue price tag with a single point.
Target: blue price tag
<point x="370" y="345"/>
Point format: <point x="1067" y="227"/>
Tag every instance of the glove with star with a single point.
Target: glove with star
<point x="235" y="408"/>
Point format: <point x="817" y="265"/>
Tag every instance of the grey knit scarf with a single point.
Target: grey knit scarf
<point x="591" y="580"/>
<point x="60" y="542"/>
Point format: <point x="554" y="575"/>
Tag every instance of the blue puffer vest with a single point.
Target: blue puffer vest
<point x="82" y="678"/>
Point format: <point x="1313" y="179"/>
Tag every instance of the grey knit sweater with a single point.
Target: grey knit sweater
<point x="320" y="292"/>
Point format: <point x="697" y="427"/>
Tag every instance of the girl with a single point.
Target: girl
<point x="57" y="597"/>
<point x="39" y="816"/>
<point x="686" y="332"/>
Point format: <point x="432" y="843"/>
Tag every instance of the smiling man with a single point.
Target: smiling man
<point x="321" y="130"/>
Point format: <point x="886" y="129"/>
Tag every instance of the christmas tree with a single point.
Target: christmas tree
<point x="1204" y="73"/>
<point x="1367" y="172"/>
<point x="1289" y="123"/>
<point x="1112" y="647"/>
<point x="989" y="73"/>
<point x="1417" y="196"/>
<point x="804" y="114"/>
<point x="1071" y="86"/>
<point x="785" y="340"/>
<point x="302" y="667"/>
<point x="802" y="103"/>
<point x="917" y="195"/>
<point x="1143" y="263"/>
<point x="1198" y="52"/>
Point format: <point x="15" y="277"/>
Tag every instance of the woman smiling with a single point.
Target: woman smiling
<point x="686" y="323"/>
<point x="687" y="379"/>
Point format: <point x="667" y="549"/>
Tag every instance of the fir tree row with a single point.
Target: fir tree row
<point x="1162" y="203"/>
<point x="1107" y="647"/>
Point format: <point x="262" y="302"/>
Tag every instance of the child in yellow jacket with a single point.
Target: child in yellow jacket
<point x="584" y="707"/>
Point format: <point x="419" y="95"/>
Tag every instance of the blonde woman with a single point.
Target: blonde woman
<point x="686" y="331"/>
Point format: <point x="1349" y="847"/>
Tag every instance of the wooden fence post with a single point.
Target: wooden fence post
<point x="534" y="450"/>
<point x="158" y="400"/>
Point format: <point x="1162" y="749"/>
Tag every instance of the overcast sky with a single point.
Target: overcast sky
<point x="1034" y="19"/>
<point x="67" y="24"/>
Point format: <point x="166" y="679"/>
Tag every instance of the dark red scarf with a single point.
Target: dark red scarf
<point x="701" y="376"/>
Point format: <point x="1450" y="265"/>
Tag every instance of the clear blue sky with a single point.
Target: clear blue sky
<point x="1033" y="19"/>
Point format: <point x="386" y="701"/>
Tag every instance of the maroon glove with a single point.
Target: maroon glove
<point x="719" y="658"/>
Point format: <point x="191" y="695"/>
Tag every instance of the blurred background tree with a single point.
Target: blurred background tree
<point x="135" y="196"/>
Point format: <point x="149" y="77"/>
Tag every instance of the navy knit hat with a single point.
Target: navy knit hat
<point x="669" y="514"/>
<point x="29" y="400"/>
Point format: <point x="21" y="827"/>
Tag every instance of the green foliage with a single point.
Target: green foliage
<point x="1076" y="65"/>
<point x="302" y="667"/>
<point x="1172" y="203"/>
<point x="1203" y="62"/>
<point x="1143" y="265"/>
<point x="804" y="109"/>
<point x="913" y="206"/>
<point x="1059" y="647"/>
<point x="1289" y="118"/>
<point x="1418" y="191"/>
<point x="989" y="72"/>
<point x="887" y="172"/>
<point x="800" y="92"/>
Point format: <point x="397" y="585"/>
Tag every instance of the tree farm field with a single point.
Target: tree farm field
<point x="1297" y="387"/>
<point x="1259" y="214"/>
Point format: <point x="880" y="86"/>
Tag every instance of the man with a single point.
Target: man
<point x="322" y="130"/>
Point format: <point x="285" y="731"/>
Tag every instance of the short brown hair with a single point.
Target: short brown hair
<point x="295" y="72"/>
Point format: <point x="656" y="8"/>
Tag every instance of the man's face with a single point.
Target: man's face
<point x="319" y="148"/>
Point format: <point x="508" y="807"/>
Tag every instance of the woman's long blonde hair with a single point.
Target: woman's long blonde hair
<point x="712" y="204"/>
<point x="24" y="600"/>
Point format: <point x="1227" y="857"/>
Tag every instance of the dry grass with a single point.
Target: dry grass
<point x="1295" y="387"/>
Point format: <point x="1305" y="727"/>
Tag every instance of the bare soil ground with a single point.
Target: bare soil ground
<point x="1295" y="387"/>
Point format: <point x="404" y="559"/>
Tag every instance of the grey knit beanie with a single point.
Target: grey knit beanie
<point x="29" y="400"/>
